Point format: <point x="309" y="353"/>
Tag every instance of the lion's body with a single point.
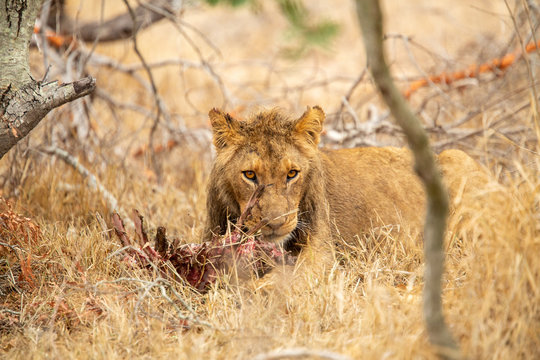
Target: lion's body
<point x="315" y="195"/>
<point x="369" y="187"/>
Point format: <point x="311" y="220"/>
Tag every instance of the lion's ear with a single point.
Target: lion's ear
<point x="310" y="124"/>
<point x="226" y="129"/>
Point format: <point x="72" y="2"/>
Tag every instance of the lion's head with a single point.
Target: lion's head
<point x="272" y="150"/>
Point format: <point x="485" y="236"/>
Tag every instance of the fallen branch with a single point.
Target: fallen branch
<point x="117" y="28"/>
<point x="497" y="64"/>
<point x="200" y="265"/>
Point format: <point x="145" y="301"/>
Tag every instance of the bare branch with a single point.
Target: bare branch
<point x="22" y="110"/>
<point x="370" y="16"/>
<point x="158" y="102"/>
<point x="347" y="98"/>
<point x="93" y="182"/>
<point x="127" y="24"/>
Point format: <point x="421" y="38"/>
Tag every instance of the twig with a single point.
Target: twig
<point x="465" y="134"/>
<point x="524" y="52"/>
<point x="93" y="182"/>
<point x="227" y="96"/>
<point x="101" y="60"/>
<point x="202" y="35"/>
<point x="14" y="248"/>
<point x="430" y="80"/>
<point x="364" y="134"/>
<point x="254" y="198"/>
<point x="9" y="311"/>
<point x="108" y="98"/>
<point x="180" y="315"/>
<point x="347" y="98"/>
<point x="44" y="41"/>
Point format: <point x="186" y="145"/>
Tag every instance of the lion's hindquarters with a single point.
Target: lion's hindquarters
<point x="461" y="173"/>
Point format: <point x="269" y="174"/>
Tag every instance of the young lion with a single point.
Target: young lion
<point x="313" y="195"/>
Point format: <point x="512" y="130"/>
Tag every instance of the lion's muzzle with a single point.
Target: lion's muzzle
<point x="280" y="227"/>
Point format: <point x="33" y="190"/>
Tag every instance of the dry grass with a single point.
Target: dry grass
<point x="84" y="301"/>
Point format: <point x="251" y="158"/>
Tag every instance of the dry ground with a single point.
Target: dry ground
<point x="65" y="292"/>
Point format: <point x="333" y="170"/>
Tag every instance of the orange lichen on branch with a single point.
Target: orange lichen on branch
<point x="54" y="39"/>
<point x="472" y="71"/>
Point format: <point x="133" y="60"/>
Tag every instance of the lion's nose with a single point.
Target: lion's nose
<point x="277" y="222"/>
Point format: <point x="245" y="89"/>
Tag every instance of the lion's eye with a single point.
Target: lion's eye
<point x="250" y="175"/>
<point x="292" y="174"/>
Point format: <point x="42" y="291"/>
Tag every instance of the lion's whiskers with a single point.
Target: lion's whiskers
<point x="286" y="214"/>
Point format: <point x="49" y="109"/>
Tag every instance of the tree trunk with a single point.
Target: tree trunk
<point x="370" y="16"/>
<point x="24" y="101"/>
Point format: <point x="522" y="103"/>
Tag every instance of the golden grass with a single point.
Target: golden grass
<point x="86" y="302"/>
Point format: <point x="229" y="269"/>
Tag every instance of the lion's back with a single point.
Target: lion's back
<point x="369" y="187"/>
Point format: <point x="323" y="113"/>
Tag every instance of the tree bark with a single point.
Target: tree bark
<point x="17" y="19"/>
<point x="370" y="17"/>
<point x="24" y="102"/>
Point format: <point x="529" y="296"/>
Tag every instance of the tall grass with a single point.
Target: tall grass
<point x="86" y="302"/>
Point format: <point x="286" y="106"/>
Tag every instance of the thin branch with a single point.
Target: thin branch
<point x="227" y="96"/>
<point x="101" y="60"/>
<point x="155" y="164"/>
<point x="370" y="17"/>
<point x="534" y="103"/>
<point x="93" y="182"/>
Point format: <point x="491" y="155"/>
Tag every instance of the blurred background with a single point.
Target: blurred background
<point x="145" y="138"/>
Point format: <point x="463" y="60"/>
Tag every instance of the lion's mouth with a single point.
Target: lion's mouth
<point x="280" y="235"/>
<point x="279" y="229"/>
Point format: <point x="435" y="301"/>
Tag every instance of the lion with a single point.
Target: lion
<point x="313" y="195"/>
